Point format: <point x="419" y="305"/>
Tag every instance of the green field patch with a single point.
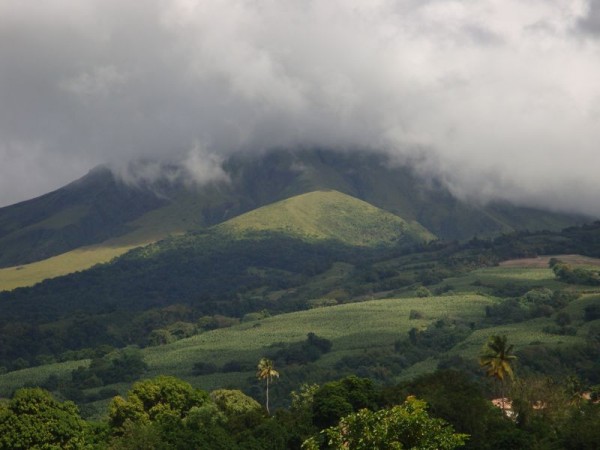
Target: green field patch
<point x="173" y="219"/>
<point x="351" y="327"/>
<point x="34" y="376"/>
<point x="519" y="334"/>
<point x="427" y="366"/>
<point x="576" y="308"/>
<point x="82" y="258"/>
<point x="514" y="274"/>
<point x="544" y="261"/>
<point x="485" y="280"/>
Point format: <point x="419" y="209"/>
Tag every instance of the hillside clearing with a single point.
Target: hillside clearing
<point x="544" y="260"/>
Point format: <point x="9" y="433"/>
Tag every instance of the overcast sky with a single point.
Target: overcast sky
<point x="500" y="98"/>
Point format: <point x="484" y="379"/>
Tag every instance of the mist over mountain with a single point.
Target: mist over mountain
<point x="497" y="100"/>
<point x="149" y="200"/>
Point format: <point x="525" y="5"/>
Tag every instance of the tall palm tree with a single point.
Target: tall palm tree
<point x="497" y="361"/>
<point x="266" y="371"/>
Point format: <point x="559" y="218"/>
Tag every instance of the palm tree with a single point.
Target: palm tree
<point x="496" y="360"/>
<point x="266" y="371"/>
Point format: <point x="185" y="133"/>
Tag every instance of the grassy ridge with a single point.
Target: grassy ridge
<point x="325" y="215"/>
<point x="313" y="216"/>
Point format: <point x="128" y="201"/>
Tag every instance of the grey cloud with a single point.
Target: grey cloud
<point x="500" y="100"/>
<point x="590" y="22"/>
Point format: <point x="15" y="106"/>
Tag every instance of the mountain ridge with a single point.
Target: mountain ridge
<point x="101" y="207"/>
<point x="322" y="215"/>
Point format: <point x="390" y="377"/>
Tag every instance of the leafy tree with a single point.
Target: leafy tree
<point x="582" y="432"/>
<point x="166" y="413"/>
<point x="591" y="312"/>
<point x="422" y="292"/>
<point x="404" y="426"/>
<point x="300" y="422"/>
<point x="160" y="337"/>
<point x="562" y="319"/>
<point x="33" y="419"/>
<point x="266" y="371"/>
<point x="233" y="402"/>
<point x="339" y="398"/>
<point x="541" y="407"/>
<point x="497" y="360"/>
<point x="152" y="400"/>
<point x="443" y="391"/>
<point x="303" y="352"/>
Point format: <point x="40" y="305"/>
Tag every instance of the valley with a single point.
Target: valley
<point x="201" y="285"/>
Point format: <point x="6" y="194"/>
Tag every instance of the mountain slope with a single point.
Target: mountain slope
<point x="216" y="272"/>
<point x="90" y="210"/>
<point x="315" y="216"/>
<point x="323" y="215"/>
<point x="100" y="207"/>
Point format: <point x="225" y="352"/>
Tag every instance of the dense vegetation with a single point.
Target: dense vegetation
<point x="178" y="287"/>
<point x="356" y="322"/>
<point x="443" y="410"/>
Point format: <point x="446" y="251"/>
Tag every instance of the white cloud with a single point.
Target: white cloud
<point x="500" y="98"/>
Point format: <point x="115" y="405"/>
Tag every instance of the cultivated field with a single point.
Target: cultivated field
<point x="353" y="328"/>
<point x="543" y="261"/>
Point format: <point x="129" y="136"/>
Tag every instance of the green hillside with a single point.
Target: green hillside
<point x="352" y="327"/>
<point x="207" y="306"/>
<point x="322" y="215"/>
<point x="367" y="330"/>
<point x="100" y="207"/>
<point x="327" y="215"/>
<point x="386" y="185"/>
<point x="85" y="212"/>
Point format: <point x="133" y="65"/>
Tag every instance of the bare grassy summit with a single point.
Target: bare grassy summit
<point x="329" y="215"/>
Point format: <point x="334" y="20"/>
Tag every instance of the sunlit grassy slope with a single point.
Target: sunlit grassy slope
<point x="358" y="327"/>
<point x="323" y="215"/>
<point x="351" y="327"/>
<point x="174" y="218"/>
<point x="149" y="228"/>
<point x="80" y="259"/>
<point x="317" y="215"/>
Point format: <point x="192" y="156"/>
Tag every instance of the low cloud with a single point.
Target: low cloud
<point x="194" y="168"/>
<point x="501" y="100"/>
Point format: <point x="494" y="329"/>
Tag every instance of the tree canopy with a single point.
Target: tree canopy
<point x="403" y="426"/>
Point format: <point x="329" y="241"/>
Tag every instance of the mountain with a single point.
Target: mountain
<point x="90" y="210"/>
<point x="283" y="241"/>
<point x="328" y="215"/>
<point x="100" y="206"/>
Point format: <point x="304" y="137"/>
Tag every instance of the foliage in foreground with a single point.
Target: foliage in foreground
<point x="168" y="413"/>
<point x="404" y="426"/>
<point x="34" y="419"/>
